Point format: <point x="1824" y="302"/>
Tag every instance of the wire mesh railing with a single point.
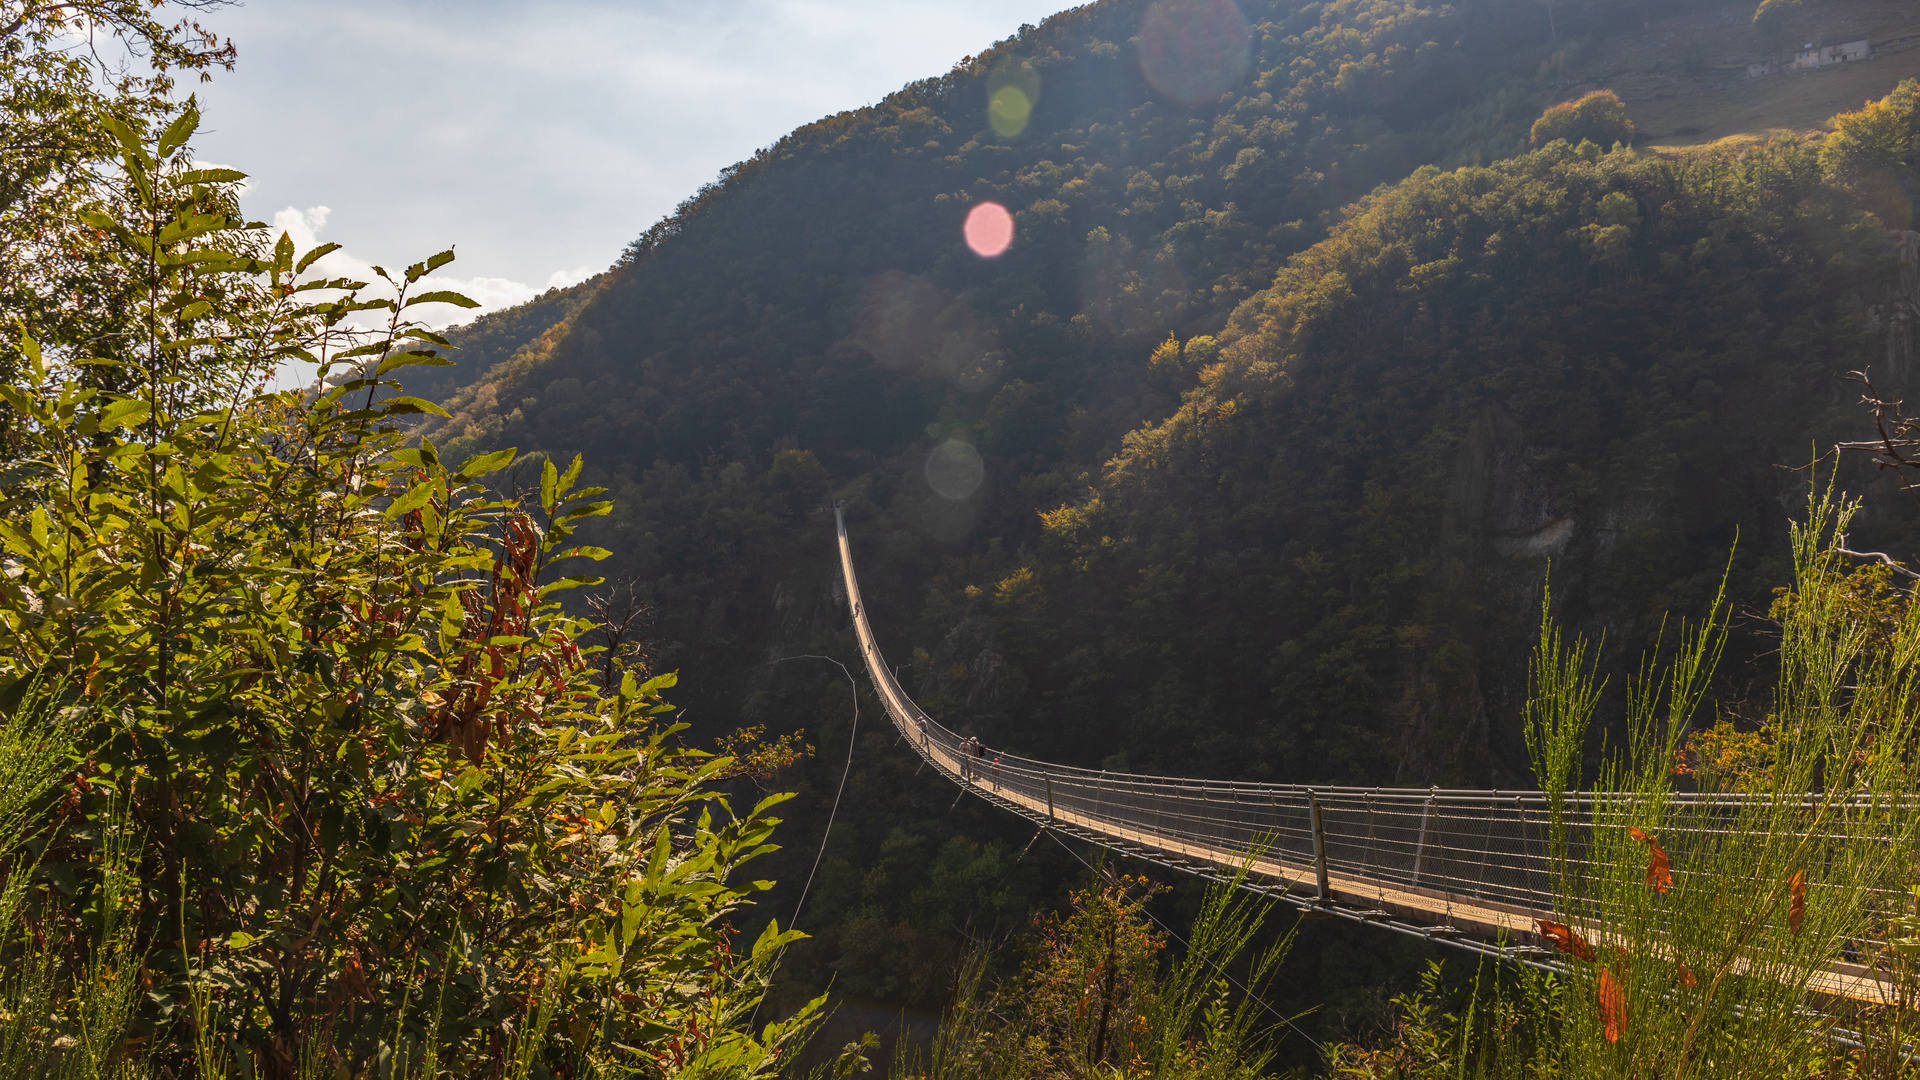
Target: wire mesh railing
<point x="1475" y="868"/>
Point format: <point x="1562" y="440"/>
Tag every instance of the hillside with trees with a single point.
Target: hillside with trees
<point x="1329" y="339"/>
<point x="1317" y="345"/>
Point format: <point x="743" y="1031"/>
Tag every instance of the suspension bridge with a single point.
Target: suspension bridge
<point x="1470" y="869"/>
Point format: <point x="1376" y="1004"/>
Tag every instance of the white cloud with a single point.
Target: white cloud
<point x="543" y="136"/>
<point x="303" y="228"/>
<point x="564" y="279"/>
<point x="306" y="229"/>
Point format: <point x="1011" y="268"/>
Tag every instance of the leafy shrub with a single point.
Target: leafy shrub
<point x="1493" y="1032"/>
<point x="1710" y="921"/>
<point x="1099" y="996"/>
<point x="1599" y="117"/>
<point x="343" y="793"/>
<point x="1874" y="152"/>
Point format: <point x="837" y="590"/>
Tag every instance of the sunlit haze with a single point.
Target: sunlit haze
<point x="541" y="138"/>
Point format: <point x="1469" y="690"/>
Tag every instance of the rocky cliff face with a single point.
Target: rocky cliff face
<point x="1897" y="310"/>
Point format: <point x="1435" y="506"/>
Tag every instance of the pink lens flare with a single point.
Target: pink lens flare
<point x="1194" y="50"/>
<point x="989" y="229"/>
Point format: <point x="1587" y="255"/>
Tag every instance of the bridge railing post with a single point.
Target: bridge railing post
<point x="1320" y="848"/>
<point x="1420" y="845"/>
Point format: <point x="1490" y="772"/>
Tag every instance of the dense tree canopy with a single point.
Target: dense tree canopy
<point x="1599" y="117"/>
<point x="1271" y="457"/>
<point x="1874" y="152"/>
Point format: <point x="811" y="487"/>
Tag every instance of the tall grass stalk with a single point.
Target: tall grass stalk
<point x="61" y="1017"/>
<point x="1198" y="1026"/>
<point x="1188" y="1019"/>
<point x="1498" y="1027"/>
<point x="1709" y="974"/>
<point x="1566" y="690"/>
<point x="982" y="1033"/>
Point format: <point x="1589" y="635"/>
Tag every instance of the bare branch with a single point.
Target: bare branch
<point x="622" y="621"/>
<point x="1898" y="447"/>
<point x="1881" y="557"/>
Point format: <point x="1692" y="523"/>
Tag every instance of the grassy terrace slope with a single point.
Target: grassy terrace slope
<point x="1683" y="72"/>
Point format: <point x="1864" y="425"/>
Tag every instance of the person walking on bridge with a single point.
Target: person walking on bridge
<point x="970" y="751"/>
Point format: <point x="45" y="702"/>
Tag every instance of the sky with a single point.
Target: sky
<point x="537" y="139"/>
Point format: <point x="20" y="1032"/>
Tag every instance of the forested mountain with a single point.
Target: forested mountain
<point x="1248" y="458"/>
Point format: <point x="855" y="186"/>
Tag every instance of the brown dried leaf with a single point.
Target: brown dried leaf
<point x="1659" y="869"/>
<point x="1613" y="1006"/>
<point x="1566" y="939"/>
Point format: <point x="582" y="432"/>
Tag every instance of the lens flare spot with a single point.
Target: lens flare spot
<point x="989" y="229"/>
<point x="1194" y="50"/>
<point x="954" y="470"/>
<point x="1013" y="89"/>
<point x="1008" y="111"/>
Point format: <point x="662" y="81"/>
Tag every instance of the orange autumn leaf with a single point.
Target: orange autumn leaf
<point x="1796" y="900"/>
<point x="1659" y="870"/>
<point x="1613" y="1006"/>
<point x="1687" y="978"/>
<point x="1566" y="939"/>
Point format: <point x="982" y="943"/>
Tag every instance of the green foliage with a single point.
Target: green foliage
<point x="64" y="1011"/>
<point x="1286" y="577"/>
<point x="1099" y="996"/>
<point x="386" y="820"/>
<point x="58" y="146"/>
<point x="1564" y="688"/>
<point x="1088" y="990"/>
<point x="475" y="348"/>
<point x="1598" y="116"/>
<point x="1694" y="934"/>
<point x="1874" y="152"/>
<point x="1498" y="1026"/>
<point x="1711" y="922"/>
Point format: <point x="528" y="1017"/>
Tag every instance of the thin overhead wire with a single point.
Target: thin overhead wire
<point x="852" y="735"/>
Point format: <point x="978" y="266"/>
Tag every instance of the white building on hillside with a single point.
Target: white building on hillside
<point x="1819" y="56"/>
